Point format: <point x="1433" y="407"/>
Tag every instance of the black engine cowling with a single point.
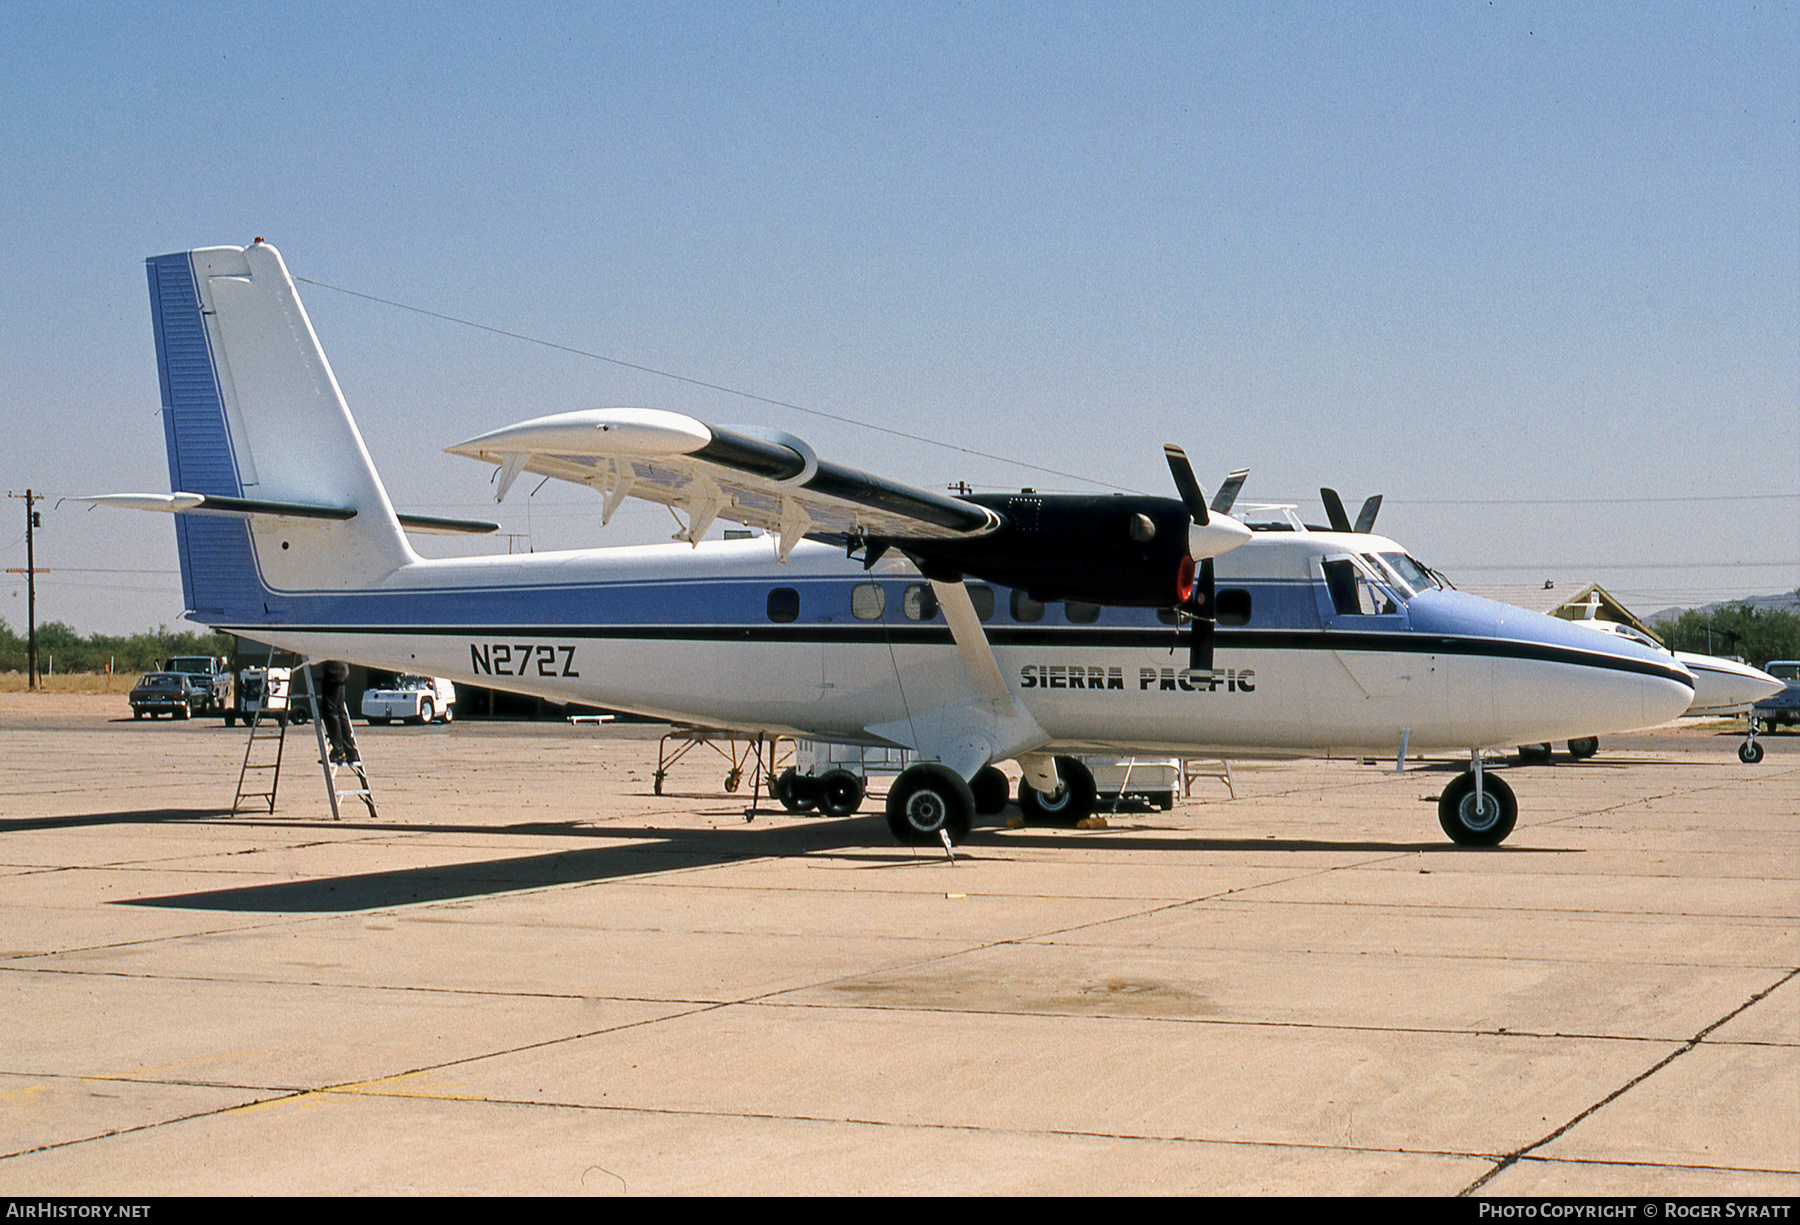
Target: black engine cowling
<point x="1127" y="551"/>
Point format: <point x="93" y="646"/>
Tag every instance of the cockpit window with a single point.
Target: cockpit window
<point x="1353" y="592"/>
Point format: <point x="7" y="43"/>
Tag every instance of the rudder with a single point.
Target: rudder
<point x="252" y="410"/>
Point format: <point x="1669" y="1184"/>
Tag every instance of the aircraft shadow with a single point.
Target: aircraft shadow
<point x="137" y="816"/>
<point x="670" y="850"/>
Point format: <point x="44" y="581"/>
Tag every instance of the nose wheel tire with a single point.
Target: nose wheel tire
<point x="928" y="798"/>
<point x="1472" y="824"/>
<point x="1584" y="748"/>
<point x="1750" y="752"/>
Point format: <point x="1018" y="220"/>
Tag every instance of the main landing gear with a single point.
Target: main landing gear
<point x="1072" y="801"/>
<point x="928" y="800"/>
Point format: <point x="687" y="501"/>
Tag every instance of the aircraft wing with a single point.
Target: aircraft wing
<point x="768" y="480"/>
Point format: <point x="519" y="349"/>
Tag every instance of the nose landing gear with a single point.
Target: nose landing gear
<point x="1478" y="809"/>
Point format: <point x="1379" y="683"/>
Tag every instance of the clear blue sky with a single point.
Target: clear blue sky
<point x="1498" y="261"/>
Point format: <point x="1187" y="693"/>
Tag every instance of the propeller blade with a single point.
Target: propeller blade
<point x="1190" y="490"/>
<point x="1228" y="492"/>
<point x="1200" y="630"/>
<point x="1365" y="522"/>
<point x="1334" y="510"/>
<point x="1200" y="647"/>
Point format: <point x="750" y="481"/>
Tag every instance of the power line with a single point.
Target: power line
<point x="693" y="382"/>
<point x="1554" y="501"/>
<point x="1537" y="567"/>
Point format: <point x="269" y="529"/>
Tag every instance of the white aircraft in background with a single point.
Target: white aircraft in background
<point x="1721" y="686"/>
<point x="971" y="630"/>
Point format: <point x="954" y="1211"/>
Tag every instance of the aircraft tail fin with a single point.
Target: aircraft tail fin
<point x="254" y="422"/>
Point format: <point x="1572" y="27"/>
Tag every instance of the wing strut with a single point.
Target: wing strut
<point x="972" y="642"/>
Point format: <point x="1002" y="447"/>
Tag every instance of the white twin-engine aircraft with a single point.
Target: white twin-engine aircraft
<point x="972" y="630"/>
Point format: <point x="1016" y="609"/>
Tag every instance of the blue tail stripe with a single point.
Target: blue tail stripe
<point x="200" y="460"/>
<point x="218" y="569"/>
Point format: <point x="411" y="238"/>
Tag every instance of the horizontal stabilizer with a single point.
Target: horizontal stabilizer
<point x="190" y="503"/>
<point x="431" y="525"/>
<point x="200" y="503"/>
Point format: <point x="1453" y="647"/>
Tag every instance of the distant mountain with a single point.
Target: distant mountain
<point x="1786" y="601"/>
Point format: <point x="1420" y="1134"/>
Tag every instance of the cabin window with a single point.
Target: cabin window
<point x="1233" y="606"/>
<point x="982" y="597"/>
<point x="1026" y="609"/>
<point x="1081" y="614"/>
<point x="919" y="603"/>
<point x="867" y="601"/>
<point x="784" y="604"/>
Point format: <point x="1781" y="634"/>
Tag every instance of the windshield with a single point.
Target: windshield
<point x="1625" y="631"/>
<point x="1785" y="671"/>
<point x="1411" y="577"/>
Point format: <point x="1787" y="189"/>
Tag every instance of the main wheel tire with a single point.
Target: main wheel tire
<point x="136" y="713"/>
<point x="1534" y="754"/>
<point x="928" y="799"/>
<point x="840" y="793"/>
<point x="1750" y="752"/>
<point x="231" y="718"/>
<point x="991" y="791"/>
<point x="1584" y="748"/>
<point x="1073" y="802"/>
<point x="797" y="792"/>
<point x="1469" y="824"/>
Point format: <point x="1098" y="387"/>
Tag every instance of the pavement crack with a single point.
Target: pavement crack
<point x="1514" y="1157"/>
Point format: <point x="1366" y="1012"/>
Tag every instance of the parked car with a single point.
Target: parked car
<point x="211" y="678"/>
<point x="417" y="699"/>
<point x="166" y="693"/>
<point x="1784" y="707"/>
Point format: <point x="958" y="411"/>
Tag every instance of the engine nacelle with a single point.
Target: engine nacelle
<point x="1117" y="550"/>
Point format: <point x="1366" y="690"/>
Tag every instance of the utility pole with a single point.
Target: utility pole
<point x="32" y="521"/>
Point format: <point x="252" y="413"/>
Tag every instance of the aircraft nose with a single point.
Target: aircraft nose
<point x="1665" y="699"/>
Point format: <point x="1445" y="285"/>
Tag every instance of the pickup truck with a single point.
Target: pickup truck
<point x="211" y="680"/>
<point x="1784" y="707"/>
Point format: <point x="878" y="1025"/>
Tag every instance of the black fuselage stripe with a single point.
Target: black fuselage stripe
<point x="1013" y="636"/>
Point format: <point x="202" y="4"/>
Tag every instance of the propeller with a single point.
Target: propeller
<point x="1228" y="492"/>
<point x="1211" y="532"/>
<point x="1340" y="522"/>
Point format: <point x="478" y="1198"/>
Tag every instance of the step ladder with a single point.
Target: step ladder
<point x="334" y="790"/>
<point x="268" y="727"/>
